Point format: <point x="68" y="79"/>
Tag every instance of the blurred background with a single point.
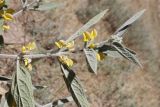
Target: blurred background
<point x="118" y="83"/>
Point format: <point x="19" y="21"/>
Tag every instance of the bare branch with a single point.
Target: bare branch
<point x="33" y="56"/>
<point x="25" y="7"/>
<point x="8" y="56"/>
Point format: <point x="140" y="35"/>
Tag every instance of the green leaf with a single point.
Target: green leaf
<point x="74" y="87"/>
<point x="118" y="34"/>
<point x="90" y="23"/>
<point x="109" y="50"/>
<point x="1" y="26"/>
<point x="47" y="6"/>
<point x="21" y="89"/>
<point x="131" y="51"/>
<point x="126" y="54"/>
<point x="114" y="54"/>
<point x="91" y="57"/>
<point x="128" y="23"/>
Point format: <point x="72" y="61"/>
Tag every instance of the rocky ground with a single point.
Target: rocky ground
<point x="119" y="83"/>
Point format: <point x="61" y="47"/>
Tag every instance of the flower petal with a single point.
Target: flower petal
<point x="93" y="34"/>
<point x="100" y="56"/>
<point x="92" y="45"/>
<point x="60" y="44"/>
<point x="7" y="16"/>
<point x="5" y="27"/>
<point x="86" y="36"/>
<point x="23" y="49"/>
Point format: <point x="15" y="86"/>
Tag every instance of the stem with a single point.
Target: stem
<point x="33" y="56"/>
<point x="25" y="7"/>
<point x="8" y="56"/>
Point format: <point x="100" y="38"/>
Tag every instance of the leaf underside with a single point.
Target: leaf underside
<point x="22" y="88"/>
<point x="90" y="23"/>
<point x="74" y="87"/>
<point x="91" y="59"/>
<point x="126" y="53"/>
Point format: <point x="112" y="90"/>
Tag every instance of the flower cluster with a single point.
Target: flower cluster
<point x="62" y="44"/>
<point x="29" y="47"/>
<point x="26" y="49"/>
<point x="6" y="14"/>
<point x="65" y="59"/>
<point x="88" y="37"/>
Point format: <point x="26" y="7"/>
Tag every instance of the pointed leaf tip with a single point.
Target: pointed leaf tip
<point x="120" y="31"/>
<point x="90" y="23"/>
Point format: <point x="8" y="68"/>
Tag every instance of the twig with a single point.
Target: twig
<point x="25" y="7"/>
<point x="8" y="56"/>
<point x="33" y="56"/>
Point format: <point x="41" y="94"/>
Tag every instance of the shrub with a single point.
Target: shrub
<point x="21" y="88"/>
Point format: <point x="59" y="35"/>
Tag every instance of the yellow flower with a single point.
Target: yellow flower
<point x="61" y="44"/>
<point x="31" y="46"/>
<point x="100" y="56"/>
<point x="5" y="27"/>
<point x="92" y="45"/>
<point x="27" y="63"/>
<point x="70" y="45"/>
<point x="65" y="60"/>
<point x="86" y="36"/>
<point x="23" y="49"/>
<point x="93" y="34"/>
<point x="7" y="14"/>
<point x="1" y="3"/>
<point x="11" y="11"/>
<point x="89" y="36"/>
